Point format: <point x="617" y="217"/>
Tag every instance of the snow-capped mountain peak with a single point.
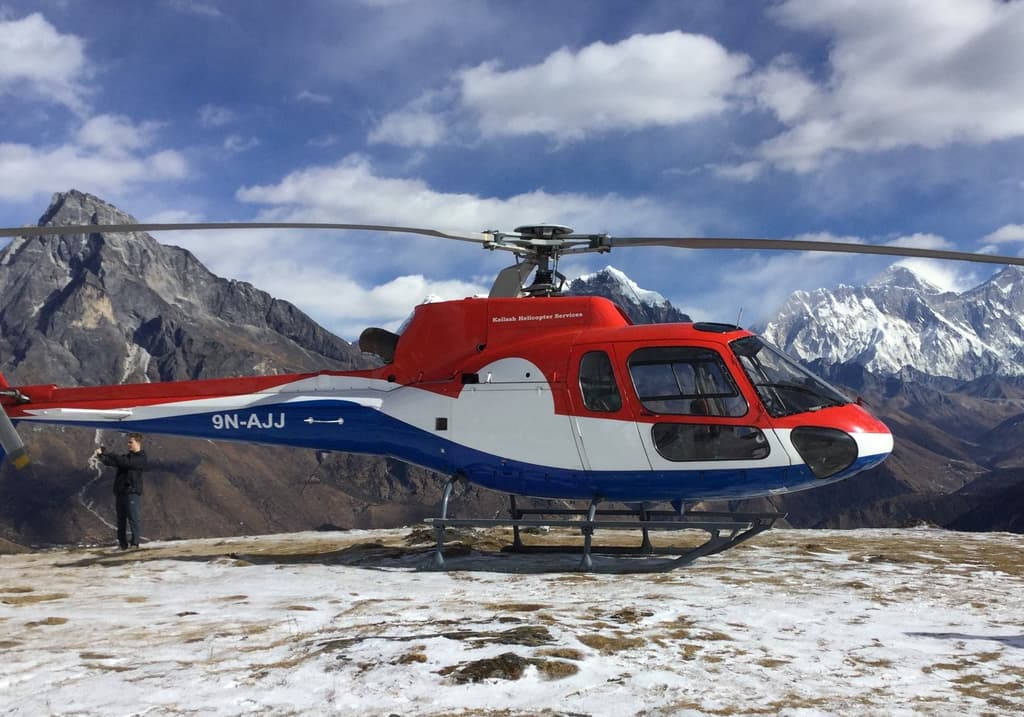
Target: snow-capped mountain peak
<point x="901" y="319"/>
<point x="642" y="305"/>
<point x="644" y="296"/>
<point x="905" y="277"/>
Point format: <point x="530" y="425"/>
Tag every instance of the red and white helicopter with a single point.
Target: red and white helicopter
<point x="533" y="394"/>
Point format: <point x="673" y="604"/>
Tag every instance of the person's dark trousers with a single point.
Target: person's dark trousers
<point x="128" y="512"/>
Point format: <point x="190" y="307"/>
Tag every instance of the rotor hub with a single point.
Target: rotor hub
<point x="544" y="231"/>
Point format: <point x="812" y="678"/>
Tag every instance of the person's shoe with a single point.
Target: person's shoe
<point x="134" y="546"/>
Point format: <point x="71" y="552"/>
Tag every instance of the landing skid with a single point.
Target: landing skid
<point x="725" y="530"/>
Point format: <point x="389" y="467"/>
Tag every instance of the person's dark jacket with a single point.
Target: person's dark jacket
<point x="128" y="479"/>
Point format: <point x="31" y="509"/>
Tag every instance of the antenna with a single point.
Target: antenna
<point x="739" y="316"/>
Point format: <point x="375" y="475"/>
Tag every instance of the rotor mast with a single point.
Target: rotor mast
<point x="540" y="246"/>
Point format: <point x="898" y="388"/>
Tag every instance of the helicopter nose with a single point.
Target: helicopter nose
<point x="857" y="442"/>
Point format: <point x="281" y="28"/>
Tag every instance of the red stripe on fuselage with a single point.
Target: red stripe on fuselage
<point x="152" y="394"/>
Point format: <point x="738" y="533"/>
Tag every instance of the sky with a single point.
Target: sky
<point x="880" y="121"/>
<point x="796" y="623"/>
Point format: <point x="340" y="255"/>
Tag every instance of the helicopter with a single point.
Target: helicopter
<point x="534" y="394"/>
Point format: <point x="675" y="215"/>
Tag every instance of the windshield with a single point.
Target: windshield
<point x="785" y="387"/>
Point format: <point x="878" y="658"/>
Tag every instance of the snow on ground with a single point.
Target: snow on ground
<point x="916" y="622"/>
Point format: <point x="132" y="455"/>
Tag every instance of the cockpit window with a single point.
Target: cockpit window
<point x="684" y="380"/>
<point x="785" y="387"/>
<point x="597" y="383"/>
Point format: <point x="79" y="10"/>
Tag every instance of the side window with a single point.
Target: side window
<point x="685" y="381"/>
<point x="597" y="383"/>
<point x="703" y="442"/>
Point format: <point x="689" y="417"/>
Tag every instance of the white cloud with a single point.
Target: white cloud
<point x="744" y="172"/>
<point x="1007" y="233"/>
<point x="783" y="88"/>
<point x="215" y="115"/>
<point x="921" y="240"/>
<point x="313" y="98"/>
<point x="195" y="7"/>
<point x="166" y="164"/>
<point x="924" y="73"/>
<point x="410" y="128"/>
<point x="642" y="81"/>
<point x="350" y="191"/>
<point x="236" y="143"/>
<point x="38" y="60"/>
<point x="116" y="134"/>
<point x="27" y="171"/>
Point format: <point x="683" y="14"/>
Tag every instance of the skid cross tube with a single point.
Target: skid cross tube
<point x="725" y="530"/>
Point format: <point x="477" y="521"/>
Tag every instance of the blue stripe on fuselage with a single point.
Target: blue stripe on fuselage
<point x="315" y="424"/>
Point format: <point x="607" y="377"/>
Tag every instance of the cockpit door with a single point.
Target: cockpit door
<point x="606" y="434"/>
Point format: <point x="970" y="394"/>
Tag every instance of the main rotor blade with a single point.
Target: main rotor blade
<point x="799" y="245"/>
<point x="682" y="242"/>
<point x="201" y="226"/>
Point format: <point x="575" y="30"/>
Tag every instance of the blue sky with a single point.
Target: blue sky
<point x="883" y="121"/>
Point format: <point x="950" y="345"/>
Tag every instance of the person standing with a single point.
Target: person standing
<point x="127" y="488"/>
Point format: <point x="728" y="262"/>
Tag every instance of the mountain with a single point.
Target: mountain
<point x="112" y="308"/>
<point x="901" y="322"/>
<point x="641" y="305"/>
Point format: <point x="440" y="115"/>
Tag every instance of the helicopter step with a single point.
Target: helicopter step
<point x="725" y="530"/>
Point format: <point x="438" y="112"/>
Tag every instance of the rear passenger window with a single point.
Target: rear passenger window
<point x="597" y="383"/>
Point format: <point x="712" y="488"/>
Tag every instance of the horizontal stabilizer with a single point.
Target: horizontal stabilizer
<point x="83" y="414"/>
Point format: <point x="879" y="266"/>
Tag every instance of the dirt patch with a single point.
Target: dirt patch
<point x="47" y="621"/>
<point x="507" y="666"/>
<point x="415" y="655"/>
<point x="610" y="644"/>
<point x="527" y="635"/>
<point x="630" y="615"/>
<point x="565" y="653"/>
<point x="517" y="606"/>
<point x="32" y="598"/>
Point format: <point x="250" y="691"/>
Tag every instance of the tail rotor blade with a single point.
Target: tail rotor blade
<point x="12" y="443"/>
